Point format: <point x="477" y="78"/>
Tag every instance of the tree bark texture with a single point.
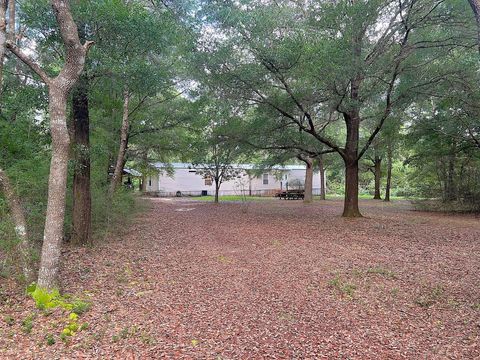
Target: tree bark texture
<point x="321" y="168"/>
<point x="308" y="181"/>
<point x="118" y="172"/>
<point x="217" y="190"/>
<point x="82" y="201"/>
<point x="20" y="223"/>
<point x="350" y="158"/>
<point x="378" y="177"/>
<point x="389" y="173"/>
<point x="3" y="38"/>
<point x="11" y="21"/>
<point x="58" y="89"/>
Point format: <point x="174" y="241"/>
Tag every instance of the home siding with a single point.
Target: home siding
<point x="187" y="182"/>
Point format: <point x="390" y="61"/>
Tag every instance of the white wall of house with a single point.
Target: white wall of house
<point x="188" y="182"/>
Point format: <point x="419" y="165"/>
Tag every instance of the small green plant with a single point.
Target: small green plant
<point x="124" y="333"/>
<point x="195" y="342"/>
<point x="27" y="324"/>
<point x="345" y="288"/>
<point x="10" y="320"/>
<point x="378" y="270"/>
<point x="64" y="337"/>
<point x="48" y="300"/>
<point x="50" y="339"/>
<point x="44" y="299"/>
<point x="80" y="307"/>
<point x="431" y="297"/>
<point x="146" y="338"/>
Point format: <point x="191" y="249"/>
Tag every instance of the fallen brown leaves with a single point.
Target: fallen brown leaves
<point x="272" y="280"/>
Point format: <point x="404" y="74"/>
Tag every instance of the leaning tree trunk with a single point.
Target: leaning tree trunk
<point x="378" y="177"/>
<point x="350" y="158"/>
<point x="82" y="201"/>
<point x="118" y="172"/>
<point x="389" y="173"/>
<point x="321" y="168"/>
<point x="20" y="223"/>
<point x="308" y="181"/>
<point x="58" y="90"/>
<point x="475" y="4"/>
<point x="13" y="201"/>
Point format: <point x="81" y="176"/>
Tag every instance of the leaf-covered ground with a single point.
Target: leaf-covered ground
<point x="270" y="279"/>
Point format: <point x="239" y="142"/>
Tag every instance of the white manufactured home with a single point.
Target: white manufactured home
<point x="186" y="181"/>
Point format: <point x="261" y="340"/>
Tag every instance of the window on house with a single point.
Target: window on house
<point x="149" y="181"/>
<point x="208" y="180"/>
<point x="265" y="179"/>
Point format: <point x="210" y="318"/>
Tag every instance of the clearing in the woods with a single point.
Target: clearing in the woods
<point x="265" y="279"/>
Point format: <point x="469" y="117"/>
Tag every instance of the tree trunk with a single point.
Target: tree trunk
<point x="13" y="201"/>
<point x="58" y="90"/>
<point x="3" y="38"/>
<point x="350" y="208"/>
<point x="217" y="190"/>
<point x="308" y="181"/>
<point x="378" y="177"/>
<point x="450" y="191"/>
<point x="57" y="185"/>
<point x="117" y="175"/>
<point x="321" y="168"/>
<point x="18" y="217"/>
<point x="389" y="173"/>
<point x="475" y="4"/>
<point x="11" y="21"/>
<point x="82" y="202"/>
<point x="350" y="157"/>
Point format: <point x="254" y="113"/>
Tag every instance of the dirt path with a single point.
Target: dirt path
<point x="273" y="279"/>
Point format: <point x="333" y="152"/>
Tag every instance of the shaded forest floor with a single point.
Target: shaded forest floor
<point x="268" y="279"/>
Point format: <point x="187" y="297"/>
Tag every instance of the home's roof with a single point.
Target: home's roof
<point x="160" y="165"/>
<point x="132" y="172"/>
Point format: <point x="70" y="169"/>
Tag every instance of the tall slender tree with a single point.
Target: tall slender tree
<point x="58" y="89"/>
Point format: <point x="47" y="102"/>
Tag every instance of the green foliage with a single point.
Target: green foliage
<point x="47" y="300"/>
<point x="10" y="320"/>
<point x="430" y="297"/>
<point x="27" y="323"/>
<point x="382" y="271"/>
<point x="49" y="338"/>
<point x="345" y="288"/>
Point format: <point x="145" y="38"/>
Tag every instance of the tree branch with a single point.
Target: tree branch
<point x="29" y="62"/>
